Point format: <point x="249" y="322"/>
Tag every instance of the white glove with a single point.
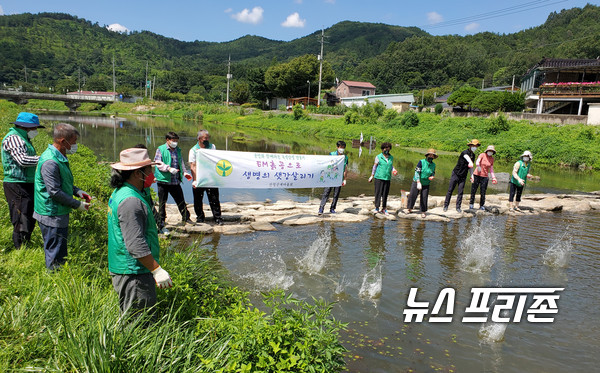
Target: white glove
<point x="83" y="206"/>
<point x="522" y="182"/>
<point x="173" y="171"/>
<point x="371" y="178"/>
<point x="84" y="195"/>
<point x="344" y="182"/>
<point x="419" y="186"/>
<point x="162" y="278"/>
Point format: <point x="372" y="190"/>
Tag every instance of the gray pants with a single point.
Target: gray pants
<point x="136" y="292"/>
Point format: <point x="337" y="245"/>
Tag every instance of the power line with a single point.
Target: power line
<point x="495" y="14"/>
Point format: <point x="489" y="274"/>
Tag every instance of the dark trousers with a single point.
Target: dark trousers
<point x="414" y="192"/>
<point x="477" y="181"/>
<point x="382" y="189"/>
<point x="55" y="245"/>
<point x="213" y="200"/>
<point x="20" y="206"/>
<point x="136" y="292"/>
<point x="515" y="189"/>
<point x="454" y="181"/>
<point x="177" y="193"/>
<point x="325" y="197"/>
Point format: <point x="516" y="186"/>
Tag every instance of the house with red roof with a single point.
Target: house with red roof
<point x="348" y="88"/>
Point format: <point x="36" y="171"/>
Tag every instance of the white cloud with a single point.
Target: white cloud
<point x="298" y="1"/>
<point x="1" y="11"/>
<point x="228" y="10"/>
<point x="330" y="1"/>
<point x="472" y="26"/>
<point x="117" y="28"/>
<point x="434" y="17"/>
<point x="293" y="20"/>
<point x="246" y="16"/>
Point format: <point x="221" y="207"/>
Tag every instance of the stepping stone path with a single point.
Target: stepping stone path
<point x="246" y="217"/>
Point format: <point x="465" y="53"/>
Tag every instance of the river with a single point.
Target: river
<point x="368" y="268"/>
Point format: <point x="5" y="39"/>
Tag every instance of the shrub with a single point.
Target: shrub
<point x="390" y="114"/>
<point x="298" y="112"/>
<point x="497" y="125"/>
<point x="410" y="119"/>
<point x="439" y="108"/>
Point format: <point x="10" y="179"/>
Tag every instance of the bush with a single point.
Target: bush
<point x="389" y="115"/>
<point x="497" y="125"/>
<point x="410" y="119"/>
<point x="439" y="108"/>
<point x="298" y="112"/>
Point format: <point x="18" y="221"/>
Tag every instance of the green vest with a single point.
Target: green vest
<point x="43" y="203"/>
<point x="427" y="169"/>
<point x="384" y="167"/>
<point x="13" y="172"/>
<point x="523" y="171"/>
<point x="165" y="177"/>
<point x="345" y="160"/>
<point x="119" y="259"/>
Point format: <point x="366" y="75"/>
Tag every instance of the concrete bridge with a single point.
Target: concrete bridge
<point x="71" y="100"/>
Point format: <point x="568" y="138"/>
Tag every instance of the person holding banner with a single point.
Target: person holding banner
<point x="211" y="193"/>
<point x="383" y="169"/>
<point x="169" y="173"/>
<point x="341" y="147"/>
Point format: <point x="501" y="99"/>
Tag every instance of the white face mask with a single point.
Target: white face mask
<point x="473" y="148"/>
<point x="73" y="149"/>
<point x="173" y="144"/>
<point x="32" y="134"/>
<point x="341" y="150"/>
<point x="490" y="154"/>
<point x="525" y="159"/>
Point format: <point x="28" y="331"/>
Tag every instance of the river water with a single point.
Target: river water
<point x="369" y="268"/>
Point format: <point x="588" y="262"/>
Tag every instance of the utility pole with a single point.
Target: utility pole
<point x="25" y="73"/>
<point x="512" y="90"/>
<point x="114" y="81"/>
<point x="228" y="78"/>
<point x="79" y="77"/>
<point x="146" y="82"/>
<point x="320" y="68"/>
<point x="152" y="89"/>
<point x="482" y="81"/>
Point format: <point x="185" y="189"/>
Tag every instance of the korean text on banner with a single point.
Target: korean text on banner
<point x="229" y="169"/>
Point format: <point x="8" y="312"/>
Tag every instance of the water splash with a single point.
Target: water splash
<point x="341" y="285"/>
<point x="476" y="250"/>
<point x="372" y="283"/>
<point x="272" y="275"/>
<point x="558" y="253"/>
<point x="492" y="332"/>
<point x="314" y="259"/>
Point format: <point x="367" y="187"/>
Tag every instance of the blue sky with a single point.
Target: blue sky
<point x="226" y="20"/>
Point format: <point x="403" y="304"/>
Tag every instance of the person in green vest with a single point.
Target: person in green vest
<point x="19" y="160"/>
<point x="424" y="173"/>
<point x="53" y="194"/>
<point x="133" y="246"/>
<point x="383" y="169"/>
<point x="169" y="172"/>
<point x="518" y="179"/>
<point x="211" y="193"/>
<point x="341" y="148"/>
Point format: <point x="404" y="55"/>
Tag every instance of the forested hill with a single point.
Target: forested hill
<point x="54" y="50"/>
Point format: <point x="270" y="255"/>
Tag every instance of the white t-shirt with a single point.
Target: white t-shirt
<point x="192" y="155"/>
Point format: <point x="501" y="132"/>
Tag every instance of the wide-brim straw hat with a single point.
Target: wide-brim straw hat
<point x="491" y="147"/>
<point x="432" y="152"/>
<point x="474" y="142"/>
<point x="132" y="159"/>
<point x="527" y="153"/>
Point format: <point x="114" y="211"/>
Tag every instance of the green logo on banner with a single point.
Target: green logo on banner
<point x="224" y="168"/>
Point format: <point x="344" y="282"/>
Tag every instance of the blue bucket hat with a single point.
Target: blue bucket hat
<point x="28" y="120"/>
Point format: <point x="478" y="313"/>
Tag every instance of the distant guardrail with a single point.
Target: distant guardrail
<point x="72" y="101"/>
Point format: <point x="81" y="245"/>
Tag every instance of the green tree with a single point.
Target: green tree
<point x="291" y="79"/>
<point x="240" y="92"/>
<point x="463" y="96"/>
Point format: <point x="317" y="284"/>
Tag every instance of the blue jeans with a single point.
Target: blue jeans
<point x="55" y="245"/>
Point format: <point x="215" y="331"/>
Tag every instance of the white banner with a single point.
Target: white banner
<point x="229" y="169"/>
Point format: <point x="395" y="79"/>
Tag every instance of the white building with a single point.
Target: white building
<point x="398" y="101"/>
